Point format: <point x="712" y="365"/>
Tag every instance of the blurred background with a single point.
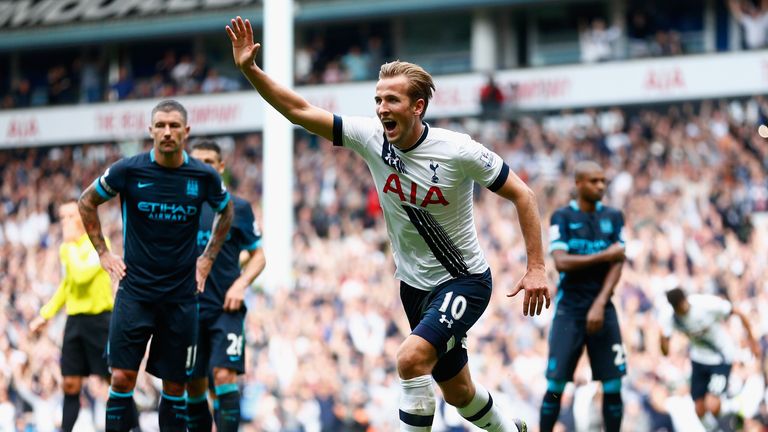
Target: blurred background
<point x="666" y="95"/>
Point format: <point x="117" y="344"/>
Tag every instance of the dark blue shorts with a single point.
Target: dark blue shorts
<point x="444" y="315"/>
<point x="567" y="339"/>
<point x="712" y="379"/>
<point x="221" y="343"/>
<point x="172" y="327"/>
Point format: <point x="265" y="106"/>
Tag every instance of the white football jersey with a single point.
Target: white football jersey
<point x="426" y="195"/>
<point x="704" y="325"/>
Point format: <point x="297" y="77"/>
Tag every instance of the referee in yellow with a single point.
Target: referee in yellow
<point x="87" y="292"/>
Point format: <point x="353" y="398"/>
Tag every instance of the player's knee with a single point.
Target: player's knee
<point x="71" y="384"/>
<point x="700" y="407"/>
<point x="173" y="388"/>
<point x="224" y="376"/>
<point x="411" y="363"/>
<point x="197" y="387"/>
<point x="712" y="404"/>
<point x="123" y="381"/>
<point x="459" y="395"/>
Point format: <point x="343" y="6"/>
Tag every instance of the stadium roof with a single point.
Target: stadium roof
<point x="30" y="24"/>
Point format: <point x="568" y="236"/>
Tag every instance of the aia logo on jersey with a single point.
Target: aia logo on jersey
<point x="433" y="196"/>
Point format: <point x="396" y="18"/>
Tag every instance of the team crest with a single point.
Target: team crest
<point x="606" y="226"/>
<point x="192" y="188"/>
<point x="433" y="166"/>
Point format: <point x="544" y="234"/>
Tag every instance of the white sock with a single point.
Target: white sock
<point x="483" y="413"/>
<point x="417" y="404"/>
<point x="709" y="422"/>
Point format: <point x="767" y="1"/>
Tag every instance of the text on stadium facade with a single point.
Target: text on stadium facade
<point x="17" y="13"/>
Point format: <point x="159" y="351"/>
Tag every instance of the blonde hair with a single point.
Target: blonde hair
<point x="420" y="84"/>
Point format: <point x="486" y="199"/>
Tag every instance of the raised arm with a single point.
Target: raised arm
<point x="535" y="280"/>
<point x="287" y="102"/>
<point x="221" y="224"/>
<point x="88" y="205"/>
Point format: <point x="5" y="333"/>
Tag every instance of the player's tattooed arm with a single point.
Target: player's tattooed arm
<point x="221" y="224"/>
<point x="88" y="205"/>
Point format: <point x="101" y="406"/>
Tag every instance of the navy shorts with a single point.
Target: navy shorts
<point x="221" y="343"/>
<point x="82" y="350"/>
<point x="567" y="339"/>
<point x="172" y="327"/>
<point x="712" y="379"/>
<point x="444" y="315"/>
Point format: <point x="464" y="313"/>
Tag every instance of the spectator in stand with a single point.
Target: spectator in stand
<point x="303" y="65"/>
<point x="376" y="56"/>
<point x="216" y="83"/>
<point x="356" y="63"/>
<point x="21" y="92"/>
<point x="182" y="75"/>
<point x="666" y="43"/>
<point x="491" y="99"/>
<point x="334" y="72"/>
<point x="199" y="70"/>
<point x="596" y="41"/>
<point x="123" y="88"/>
<point x="753" y="20"/>
<point x="61" y="86"/>
<point x="165" y="65"/>
<point x="91" y="74"/>
<point x="639" y="33"/>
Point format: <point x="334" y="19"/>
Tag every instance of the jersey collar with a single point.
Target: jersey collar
<point x="418" y="142"/>
<point x="183" y="152"/>
<point x="575" y="205"/>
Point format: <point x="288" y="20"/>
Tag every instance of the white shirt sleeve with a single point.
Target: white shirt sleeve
<point x="665" y="317"/>
<point x="356" y="131"/>
<point x="721" y="307"/>
<point x="479" y="163"/>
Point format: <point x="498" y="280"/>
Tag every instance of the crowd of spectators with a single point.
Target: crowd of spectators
<point x="646" y="31"/>
<point x="88" y="79"/>
<point x="691" y="180"/>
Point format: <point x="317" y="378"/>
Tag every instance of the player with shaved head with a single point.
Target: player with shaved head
<point x="587" y="245"/>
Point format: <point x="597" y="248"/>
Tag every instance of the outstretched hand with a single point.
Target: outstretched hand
<point x="243" y="49"/>
<point x="536" y="291"/>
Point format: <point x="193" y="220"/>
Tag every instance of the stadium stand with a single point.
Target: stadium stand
<point x="688" y="176"/>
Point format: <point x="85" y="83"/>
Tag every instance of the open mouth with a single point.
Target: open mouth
<point x="389" y="125"/>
